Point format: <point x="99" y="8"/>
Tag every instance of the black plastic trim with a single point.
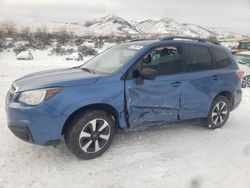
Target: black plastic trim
<point x="22" y="132"/>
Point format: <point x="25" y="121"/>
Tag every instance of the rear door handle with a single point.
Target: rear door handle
<point x="215" y="77"/>
<point x="176" y="84"/>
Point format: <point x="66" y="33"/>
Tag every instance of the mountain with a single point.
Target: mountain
<point x="117" y="26"/>
<point x="171" y="27"/>
<point x="110" y="25"/>
<point x="50" y="26"/>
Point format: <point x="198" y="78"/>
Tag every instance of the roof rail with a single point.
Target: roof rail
<point x="139" y="39"/>
<point x="192" y="39"/>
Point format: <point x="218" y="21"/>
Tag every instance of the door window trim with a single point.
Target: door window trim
<point x="125" y="75"/>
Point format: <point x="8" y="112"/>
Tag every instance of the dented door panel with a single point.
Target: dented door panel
<point x="197" y="94"/>
<point x="153" y="102"/>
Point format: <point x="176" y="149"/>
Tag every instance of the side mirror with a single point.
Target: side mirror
<point x="146" y="74"/>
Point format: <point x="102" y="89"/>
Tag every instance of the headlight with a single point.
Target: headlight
<point x="35" y="97"/>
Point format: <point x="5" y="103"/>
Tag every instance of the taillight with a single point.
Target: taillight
<point x="240" y="73"/>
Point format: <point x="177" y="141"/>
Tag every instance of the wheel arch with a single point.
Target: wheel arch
<point x="98" y="106"/>
<point x="228" y="95"/>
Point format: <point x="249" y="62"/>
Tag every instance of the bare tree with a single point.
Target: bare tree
<point x="1" y="34"/>
<point x="62" y="36"/>
<point x="212" y="38"/>
<point x="98" y="43"/>
<point x="10" y="29"/>
<point x="41" y="38"/>
<point x="87" y="51"/>
<point x="25" y="33"/>
<point x="1" y="39"/>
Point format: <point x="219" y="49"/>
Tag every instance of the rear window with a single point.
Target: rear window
<point x="198" y="58"/>
<point x="221" y="58"/>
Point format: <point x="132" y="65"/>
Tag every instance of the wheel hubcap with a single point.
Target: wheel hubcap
<point x="94" y="135"/>
<point x="246" y="81"/>
<point x="219" y="113"/>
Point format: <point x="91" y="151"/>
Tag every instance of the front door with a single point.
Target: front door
<point x="155" y="101"/>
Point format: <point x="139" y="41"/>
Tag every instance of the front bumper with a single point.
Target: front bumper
<point x="40" y="124"/>
<point x="22" y="132"/>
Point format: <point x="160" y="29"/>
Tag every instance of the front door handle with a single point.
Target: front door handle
<point x="176" y="84"/>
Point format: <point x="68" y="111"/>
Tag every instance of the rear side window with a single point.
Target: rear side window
<point x="198" y="58"/>
<point x="221" y="58"/>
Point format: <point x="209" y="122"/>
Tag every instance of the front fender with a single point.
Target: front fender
<point x="73" y="98"/>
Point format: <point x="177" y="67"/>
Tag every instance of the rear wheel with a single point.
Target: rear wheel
<point x="90" y="134"/>
<point x="245" y="82"/>
<point x="219" y="112"/>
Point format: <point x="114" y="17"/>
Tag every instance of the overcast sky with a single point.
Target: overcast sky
<point x="226" y="14"/>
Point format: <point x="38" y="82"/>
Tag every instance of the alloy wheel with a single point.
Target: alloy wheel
<point x="94" y="135"/>
<point x="219" y="113"/>
<point x="247" y="79"/>
<point x="245" y="82"/>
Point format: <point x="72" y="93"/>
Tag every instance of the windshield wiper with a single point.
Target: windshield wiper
<point x="88" y="70"/>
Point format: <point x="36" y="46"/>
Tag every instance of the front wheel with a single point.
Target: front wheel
<point x="219" y="113"/>
<point x="90" y="134"/>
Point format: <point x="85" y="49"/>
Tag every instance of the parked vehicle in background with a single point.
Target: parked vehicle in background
<point x="243" y="59"/>
<point x="8" y="42"/>
<point x="140" y="83"/>
<point x="243" y="46"/>
<point x="74" y="57"/>
<point x="25" y="55"/>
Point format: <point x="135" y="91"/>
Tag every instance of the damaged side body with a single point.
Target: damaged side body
<point x="152" y="103"/>
<point x="174" y="94"/>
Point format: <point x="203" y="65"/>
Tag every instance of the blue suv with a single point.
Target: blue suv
<point x="140" y="83"/>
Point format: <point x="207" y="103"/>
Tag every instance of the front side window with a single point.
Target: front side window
<point x="165" y="60"/>
<point x="198" y="58"/>
<point x="112" y="59"/>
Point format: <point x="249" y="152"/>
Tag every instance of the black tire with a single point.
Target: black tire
<point x="219" y="113"/>
<point x="243" y="82"/>
<point x="81" y="139"/>
<point x="248" y="81"/>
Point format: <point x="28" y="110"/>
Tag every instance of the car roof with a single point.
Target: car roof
<point x="142" y="42"/>
<point x="145" y="42"/>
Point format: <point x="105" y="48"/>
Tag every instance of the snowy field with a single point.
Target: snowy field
<point x="173" y="156"/>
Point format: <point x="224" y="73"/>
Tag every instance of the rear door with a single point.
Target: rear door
<point x="199" y="82"/>
<point x="155" y="101"/>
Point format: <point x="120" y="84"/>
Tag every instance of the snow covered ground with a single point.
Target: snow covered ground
<point x="172" y="156"/>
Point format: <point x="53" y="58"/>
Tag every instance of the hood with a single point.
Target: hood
<point x="53" y="78"/>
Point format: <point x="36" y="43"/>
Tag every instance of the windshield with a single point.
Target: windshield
<point x="243" y="58"/>
<point x="112" y="59"/>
